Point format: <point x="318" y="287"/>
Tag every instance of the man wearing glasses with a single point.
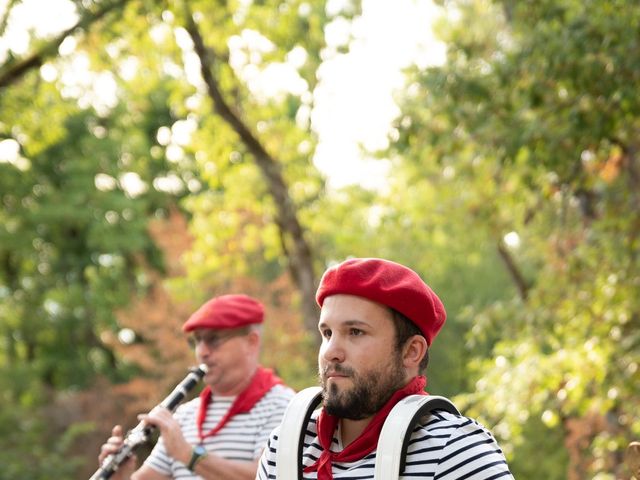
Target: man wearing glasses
<point x="220" y="434"/>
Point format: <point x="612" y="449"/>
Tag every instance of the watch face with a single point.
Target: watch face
<point x="198" y="453"/>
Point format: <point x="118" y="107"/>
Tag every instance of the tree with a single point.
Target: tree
<point x="74" y="243"/>
<point x="294" y="244"/>
<point x="535" y="118"/>
<point x="85" y="179"/>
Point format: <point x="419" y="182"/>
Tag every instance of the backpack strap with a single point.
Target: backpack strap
<point x="397" y="429"/>
<point x="292" y="431"/>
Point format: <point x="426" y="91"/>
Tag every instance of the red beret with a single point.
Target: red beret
<point x="390" y="284"/>
<point x="226" y="311"/>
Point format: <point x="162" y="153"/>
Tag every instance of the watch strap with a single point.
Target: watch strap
<point x="197" y="453"/>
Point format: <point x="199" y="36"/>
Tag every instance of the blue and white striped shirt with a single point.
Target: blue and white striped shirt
<point x="446" y="447"/>
<point x="243" y="437"/>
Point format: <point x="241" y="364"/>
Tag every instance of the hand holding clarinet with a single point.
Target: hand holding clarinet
<point x="117" y="454"/>
<point x="110" y="449"/>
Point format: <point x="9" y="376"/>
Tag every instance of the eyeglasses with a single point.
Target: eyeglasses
<point x="214" y="340"/>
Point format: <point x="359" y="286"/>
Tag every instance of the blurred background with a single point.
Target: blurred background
<point x="154" y="153"/>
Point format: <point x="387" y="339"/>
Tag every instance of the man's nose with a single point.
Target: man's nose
<point x="332" y="349"/>
<point x="203" y="350"/>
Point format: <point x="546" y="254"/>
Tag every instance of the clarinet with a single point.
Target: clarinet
<point x="142" y="432"/>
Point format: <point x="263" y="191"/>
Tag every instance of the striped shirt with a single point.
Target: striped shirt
<point x="243" y="437"/>
<point x="446" y="447"/>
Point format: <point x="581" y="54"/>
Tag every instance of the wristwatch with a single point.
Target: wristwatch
<point x="197" y="454"/>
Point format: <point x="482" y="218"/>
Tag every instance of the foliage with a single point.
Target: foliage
<point x="536" y="119"/>
<point x="72" y="250"/>
<point x="74" y="243"/>
<point x="119" y="144"/>
<point x="33" y="443"/>
<point x="513" y="191"/>
<point x="266" y="37"/>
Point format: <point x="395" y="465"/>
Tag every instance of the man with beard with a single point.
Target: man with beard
<point x="220" y="434"/>
<point x="377" y="321"/>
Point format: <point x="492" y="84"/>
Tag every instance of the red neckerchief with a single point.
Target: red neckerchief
<point x="263" y="380"/>
<point x="368" y="439"/>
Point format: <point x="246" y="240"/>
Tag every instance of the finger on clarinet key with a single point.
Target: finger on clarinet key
<point x="112" y="444"/>
<point x="116" y="431"/>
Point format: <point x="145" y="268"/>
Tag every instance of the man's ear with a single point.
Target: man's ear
<point x="414" y="351"/>
<point x="254" y="338"/>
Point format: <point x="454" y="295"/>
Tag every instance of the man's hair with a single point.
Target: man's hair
<point x="256" y="327"/>
<point x="405" y="329"/>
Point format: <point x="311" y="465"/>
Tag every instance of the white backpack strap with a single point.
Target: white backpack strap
<point x="397" y="429"/>
<point x="292" y="432"/>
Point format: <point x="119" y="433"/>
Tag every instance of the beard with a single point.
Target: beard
<point x="368" y="394"/>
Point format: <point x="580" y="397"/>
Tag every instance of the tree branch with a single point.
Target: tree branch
<point x="14" y="71"/>
<point x="5" y="17"/>
<point x="517" y="276"/>
<point x="298" y="252"/>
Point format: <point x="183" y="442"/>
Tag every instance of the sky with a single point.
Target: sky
<point x="353" y="102"/>
<point x="354" y="99"/>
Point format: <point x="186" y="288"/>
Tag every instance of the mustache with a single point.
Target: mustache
<point x="337" y="369"/>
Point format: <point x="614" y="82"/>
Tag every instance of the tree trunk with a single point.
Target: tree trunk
<point x="295" y="246"/>
<point x="518" y="278"/>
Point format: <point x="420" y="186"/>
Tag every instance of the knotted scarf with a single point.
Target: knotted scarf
<point x="261" y="382"/>
<point x="368" y="439"/>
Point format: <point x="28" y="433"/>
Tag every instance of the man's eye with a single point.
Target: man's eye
<point x="356" y="332"/>
<point x="326" y="333"/>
